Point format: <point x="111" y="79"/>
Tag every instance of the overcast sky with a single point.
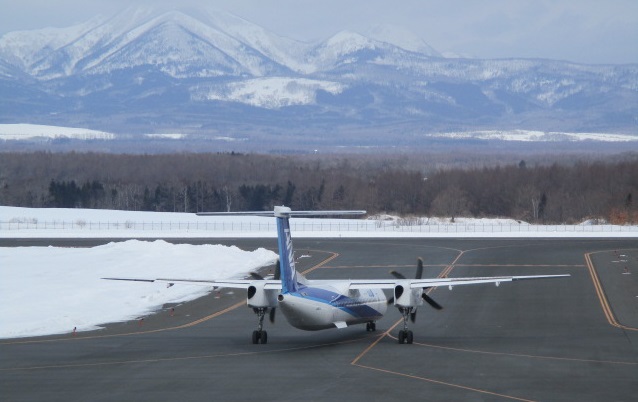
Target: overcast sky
<point x="586" y="31"/>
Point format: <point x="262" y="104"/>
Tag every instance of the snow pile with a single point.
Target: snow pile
<point x="51" y="290"/>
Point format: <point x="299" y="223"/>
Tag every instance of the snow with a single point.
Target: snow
<point x="401" y="37"/>
<point x="275" y="92"/>
<point x="278" y="92"/>
<point x="537" y="136"/>
<point x="285" y="51"/>
<point x="16" y="222"/>
<point x="31" y="131"/>
<point x="52" y="290"/>
<point x="170" y="136"/>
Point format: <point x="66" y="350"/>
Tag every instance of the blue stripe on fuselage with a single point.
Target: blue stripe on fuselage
<point x="349" y="305"/>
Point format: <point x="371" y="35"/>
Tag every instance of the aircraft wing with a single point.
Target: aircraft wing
<point x="229" y="283"/>
<point x="351" y="284"/>
<point x="434" y="282"/>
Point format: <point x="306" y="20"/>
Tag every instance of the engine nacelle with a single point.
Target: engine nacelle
<point x="258" y="297"/>
<point x="404" y="296"/>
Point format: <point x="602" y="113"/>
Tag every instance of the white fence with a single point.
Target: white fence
<point x="349" y="226"/>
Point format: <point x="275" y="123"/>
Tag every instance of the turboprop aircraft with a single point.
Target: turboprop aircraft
<point x="313" y="305"/>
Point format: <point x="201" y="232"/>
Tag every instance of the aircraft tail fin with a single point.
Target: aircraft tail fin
<point x="290" y="279"/>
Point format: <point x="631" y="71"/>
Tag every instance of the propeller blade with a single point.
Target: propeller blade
<point x="431" y="301"/>
<point x="277" y="274"/>
<point x="272" y="315"/>
<point x="413" y="316"/>
<point x="419" y="268"/>
<point x="397" y="275"/>
<point x="390" y="300"/>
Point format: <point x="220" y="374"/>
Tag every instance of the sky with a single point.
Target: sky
<point x="583" y="31"/>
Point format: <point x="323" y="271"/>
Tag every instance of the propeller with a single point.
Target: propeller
<point x="431" y="301"/>
<point x="424" y="296"/>
<point x="276" y="276"/>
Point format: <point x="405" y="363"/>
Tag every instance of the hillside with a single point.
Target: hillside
<point x="213" y="74"/>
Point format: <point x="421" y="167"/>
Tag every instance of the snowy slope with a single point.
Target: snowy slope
<point x="209" y="43"/>
<point x="134" y="37"/>
<point x="194" y="67"/>
<point x="402" y="38"/>
<point x="272" y="93"/>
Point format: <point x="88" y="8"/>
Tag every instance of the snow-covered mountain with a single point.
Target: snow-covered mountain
<point x="175" y="43"/>
<point x="213" y="71"/>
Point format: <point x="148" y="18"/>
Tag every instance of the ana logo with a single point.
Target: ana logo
<point x="291" y="258"/>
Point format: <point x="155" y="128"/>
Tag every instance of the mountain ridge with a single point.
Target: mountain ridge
<point x="213" y="71"/>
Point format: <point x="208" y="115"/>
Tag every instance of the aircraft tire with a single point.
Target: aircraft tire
<point x="255" y="337"/>
<point x="409" y="337"/>
<point x="401" y="336"/>
<point x="264" y="337"/>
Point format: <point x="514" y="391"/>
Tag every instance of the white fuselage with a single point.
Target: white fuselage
<point x="313" y="308"/>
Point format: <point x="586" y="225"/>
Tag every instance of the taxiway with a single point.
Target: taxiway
<point x="561" y="340"/>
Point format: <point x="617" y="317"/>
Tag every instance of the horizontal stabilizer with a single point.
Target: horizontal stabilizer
<point x="285" y="212"/>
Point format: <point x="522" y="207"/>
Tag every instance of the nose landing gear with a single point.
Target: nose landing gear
<point x="405" y="335"/>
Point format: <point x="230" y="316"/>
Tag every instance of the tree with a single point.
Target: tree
<point x="451" y="202"/>
<point x="541" y="206"/>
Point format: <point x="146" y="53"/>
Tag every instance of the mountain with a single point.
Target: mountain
<point x="210" y="72"/>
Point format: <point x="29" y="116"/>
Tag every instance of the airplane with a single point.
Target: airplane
<point x="312" y="305"/>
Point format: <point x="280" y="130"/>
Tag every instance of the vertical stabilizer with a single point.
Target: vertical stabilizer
<point x="291" y="281"/>
<point x="286" y="253"/>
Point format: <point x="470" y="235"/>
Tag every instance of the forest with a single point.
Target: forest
<point x="556" y="191"/>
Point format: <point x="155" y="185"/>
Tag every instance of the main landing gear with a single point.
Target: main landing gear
<point x="371" y="326"/>
<point x="260" y="335"/>
<point x="405" y="335"/>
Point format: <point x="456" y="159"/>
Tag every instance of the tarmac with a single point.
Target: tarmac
<point x="560" y="339"/>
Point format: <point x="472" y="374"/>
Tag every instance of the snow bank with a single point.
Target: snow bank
<point x="51" y="290"/>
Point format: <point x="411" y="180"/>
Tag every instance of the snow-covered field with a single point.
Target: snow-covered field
<point x="275" y="93"/>
<point x="31" y="131"/>
<point x="49" y="222"/>
<point x="537" y="136"/>
<point x="52" y="290"/>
